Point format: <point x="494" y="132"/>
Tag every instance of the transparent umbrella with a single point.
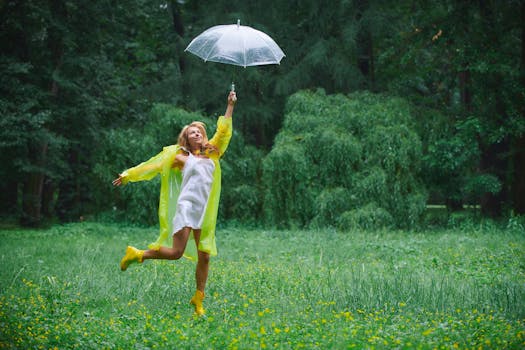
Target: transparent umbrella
<point x="237" y="45"/>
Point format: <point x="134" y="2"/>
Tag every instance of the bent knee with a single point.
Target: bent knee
<point x="175" y="254"/>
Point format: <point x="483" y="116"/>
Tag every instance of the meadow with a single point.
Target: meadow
<point x="61" y="288"/>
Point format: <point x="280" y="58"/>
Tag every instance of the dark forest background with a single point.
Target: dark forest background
<point x="379" y="108"/>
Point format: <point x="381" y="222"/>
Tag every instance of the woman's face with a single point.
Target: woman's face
<point x="194" y="136"/>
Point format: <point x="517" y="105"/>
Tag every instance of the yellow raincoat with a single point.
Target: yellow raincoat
<point x="171" y="179"/>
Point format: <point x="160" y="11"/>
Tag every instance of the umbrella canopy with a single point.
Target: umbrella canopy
<point x="236" y="44"/>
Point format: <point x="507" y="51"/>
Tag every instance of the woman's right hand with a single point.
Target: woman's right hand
<point x="118" y="180"/>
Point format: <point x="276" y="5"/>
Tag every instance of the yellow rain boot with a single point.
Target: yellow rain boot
<point x="132" y="255"/>
<point x="196" y="301"/>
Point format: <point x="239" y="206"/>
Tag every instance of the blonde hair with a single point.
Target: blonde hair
<point x="183" y="138"/>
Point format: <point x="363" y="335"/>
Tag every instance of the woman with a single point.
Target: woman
<point x="190" y="190"/>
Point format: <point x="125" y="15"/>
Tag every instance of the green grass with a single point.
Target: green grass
<point x="444" y="289"/>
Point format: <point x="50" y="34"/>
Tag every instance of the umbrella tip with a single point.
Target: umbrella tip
<point x="238" y="22"/>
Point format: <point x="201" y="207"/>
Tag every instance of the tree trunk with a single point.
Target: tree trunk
<point x="492" y="163"/>
<point x="365" y="59"/>
<point x="32" y="193"/>
<point x="176" y="16"/>
<point x="494" y="157"/>
<point x="8" y="197"/>
<point x="463" y="76"/>
<point x="48" y="198"/>
<point x="34" y="183"/>
<point x="69" y="203"/>
<point x="518" y="183"/>
<point x="464" y="90"/>
<point x="31" y="200"/>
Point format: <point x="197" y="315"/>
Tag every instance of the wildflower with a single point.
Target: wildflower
<point x="428" y="332"/>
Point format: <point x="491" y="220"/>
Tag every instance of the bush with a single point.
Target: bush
<point x="369" y="217"/>
<point x="340" y="153"/>
<point x="241" y="198"/>
<point x="478" y="185"/>
<point x="245" y="203"/>
<point x="330" y="204"/>
<point x="288" y="189"/>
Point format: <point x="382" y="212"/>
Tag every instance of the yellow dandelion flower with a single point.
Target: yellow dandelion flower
<point x="428" y="332"/>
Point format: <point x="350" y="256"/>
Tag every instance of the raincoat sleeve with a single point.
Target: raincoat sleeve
<point x="170" y="182"/>
<point x="144" y="171"/>
<point x="223" y="134"/>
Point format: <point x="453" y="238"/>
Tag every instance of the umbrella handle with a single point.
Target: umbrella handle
<point x="232" y="87"/>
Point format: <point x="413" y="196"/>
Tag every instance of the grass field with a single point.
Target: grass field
<point x="444" y="289"/>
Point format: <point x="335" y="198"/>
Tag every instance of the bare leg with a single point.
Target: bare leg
<point x="201" y="275"/>
<point x="180" y="239"/>
<point x="201" y="272"/>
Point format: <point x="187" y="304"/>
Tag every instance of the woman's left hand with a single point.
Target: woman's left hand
<point x="232" y="98"/>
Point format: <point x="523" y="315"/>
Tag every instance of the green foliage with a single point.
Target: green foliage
<point x="479" y="185"/>
<point x="243" y="203"/>
<point x="447" y="162"/>
<point x="287" y="179"/>
<point x="338" y="153"/>
<point x="451" y="160"/>
<point x="331" y="204"/>
<point x="459" y="58"/>
<point x="464" y="220"/>
<point x="241" y="192"/>
<point x="71" y="70"/>
<point x="369" y="217"/>
<point x="28" y="142"/>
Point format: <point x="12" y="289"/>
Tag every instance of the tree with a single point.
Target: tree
<point x="71" y="68"/>
<point x="461" y="58"/>
<point x="518" y="144"/>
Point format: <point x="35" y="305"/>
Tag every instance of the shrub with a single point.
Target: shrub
<point x="288" y="187"/>
<point x="330" y="204"/>
<point x="369" y="217"/>
<point x="478" y="185"/>
<point x="361" y="144"/>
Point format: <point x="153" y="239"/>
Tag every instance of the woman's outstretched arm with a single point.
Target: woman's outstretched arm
<point x="232" y="98"/>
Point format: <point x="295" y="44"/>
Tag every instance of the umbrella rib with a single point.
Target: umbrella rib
<point x="244" y="51"/>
